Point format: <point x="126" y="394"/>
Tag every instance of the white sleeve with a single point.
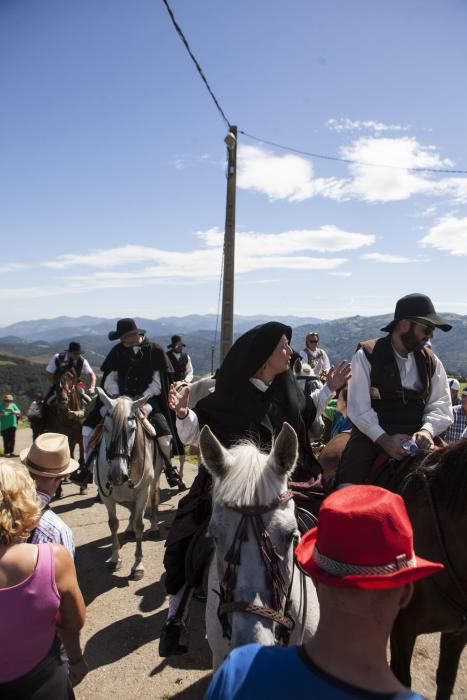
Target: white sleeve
<point x="358" y="400"/>
<point x="111" y="384"/>
<point x="303" y="356"/>
<point x="189" y="371"/>
<point x="326" y="362"/>
<point x="438" y="414"/>
<point x="188" y="429"/>
<point x="320" y="399"/>
<point x="86" y="368"/>
<point x="51" y="367"/>
<point x="155" y="387"/>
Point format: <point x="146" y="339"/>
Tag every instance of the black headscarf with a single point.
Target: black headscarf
<point x="237" y="409"/>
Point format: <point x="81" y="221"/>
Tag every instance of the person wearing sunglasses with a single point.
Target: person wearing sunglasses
<point x="398" y="392"/>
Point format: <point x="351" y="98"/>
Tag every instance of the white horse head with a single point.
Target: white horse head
<point x="254" y="528"/>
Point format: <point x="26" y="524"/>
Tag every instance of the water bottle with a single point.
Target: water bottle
<point x="410" y="446"/>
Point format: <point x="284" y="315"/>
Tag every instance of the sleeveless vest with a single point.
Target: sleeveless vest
<point x="134" y="370"/>
<point x="399" y="410"/>
<point x="62" y="364"/>
<point x="179" y="365"/>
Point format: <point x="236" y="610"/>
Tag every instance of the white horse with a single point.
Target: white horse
<point x="255" y="591"/>
<point x="127" y="472"/>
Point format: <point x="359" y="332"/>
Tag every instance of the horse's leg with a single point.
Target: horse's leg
<point x="115" y="561"/>
<point x="137" y="570"/>
<point x="403" y="638"/>
<point x="130" y="530"/>
<point x="451" y="647"/>
<point x="154" y="500"/>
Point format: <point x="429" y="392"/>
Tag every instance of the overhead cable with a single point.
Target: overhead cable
<point x="198" y="67"/>
<point x="309" y="154"/>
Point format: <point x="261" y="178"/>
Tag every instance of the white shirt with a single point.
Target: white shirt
<point x="52" y="367"/>
<point x="188" y="428"/>
<point x="322" y="364"/>
<point x="188" y="369"/>
<point x="437" y="415"/>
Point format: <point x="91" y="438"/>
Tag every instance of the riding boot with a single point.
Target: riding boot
<point x="175" y="626"/>
<point x="83" y="475"/>
<point x="171" y="474"/>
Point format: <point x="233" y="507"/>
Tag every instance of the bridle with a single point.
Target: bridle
<point x="279" y="612"/>
<point x="112" y="452"/>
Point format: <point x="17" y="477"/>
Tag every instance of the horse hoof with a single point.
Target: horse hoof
<point x="83" y="490"/>
<point x="114" y="565"/>
<point x="137" y="575"/>
<point x="154" y="534"/>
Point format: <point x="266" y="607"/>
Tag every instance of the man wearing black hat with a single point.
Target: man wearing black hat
<point x="398" y="391"/>
<point x="71" y="360"/>
<point x="136" y="367"/>
<point x="180" y="360"/>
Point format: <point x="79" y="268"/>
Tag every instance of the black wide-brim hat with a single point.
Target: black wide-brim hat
<point x="175" y="340"/>
<point x="125" y="326"/>
<point x="74" y="347"/>
<point x="416" y="307"/>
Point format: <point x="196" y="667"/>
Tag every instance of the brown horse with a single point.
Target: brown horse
<point x="434" y="487"/>
<point x="64" y="412"/>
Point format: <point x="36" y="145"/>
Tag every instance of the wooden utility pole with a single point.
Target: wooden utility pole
<point x="229" y="246"/>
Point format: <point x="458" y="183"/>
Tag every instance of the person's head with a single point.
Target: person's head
<point x="74" y="351"/>
<point x="48" y="460"/>
<point x="262" y="352"/>
<point x="363" y="544"/>
<point x="128" y="333"/>
<point x="39" y="397"/>
<point x="414" y="323"/>
<point x="454" y="387"/>
<point x="176" y="344"/>
<point x="312" y="340"/>
<point x="341" y="399"/>
<point x="464" y="399"/>
<point x="20" y="507"/>
<point x="8" y="398"/>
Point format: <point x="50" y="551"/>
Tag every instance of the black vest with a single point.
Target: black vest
<point x="399" y="410"/>
<point x="179" y="365"/>
<point x="64" y="364"/>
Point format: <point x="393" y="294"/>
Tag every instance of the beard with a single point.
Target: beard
<point x="411" y="342"/>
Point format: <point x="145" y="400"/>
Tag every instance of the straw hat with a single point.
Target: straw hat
<point x="49" y="455"/>
<point x="364" y="539"/>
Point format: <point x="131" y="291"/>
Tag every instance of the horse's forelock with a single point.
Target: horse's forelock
<point x="120" y="414"/>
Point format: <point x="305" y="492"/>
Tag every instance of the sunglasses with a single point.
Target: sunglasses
<point x="428" y="327"/>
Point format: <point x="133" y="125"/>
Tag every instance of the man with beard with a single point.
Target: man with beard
<point x="399" y="391"/>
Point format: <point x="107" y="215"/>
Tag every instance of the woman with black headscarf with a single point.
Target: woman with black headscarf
<point x="255" y="394"/>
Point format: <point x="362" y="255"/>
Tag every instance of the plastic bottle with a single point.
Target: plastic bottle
<point x="410" y="446"/>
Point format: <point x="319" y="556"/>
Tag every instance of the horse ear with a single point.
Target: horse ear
<point x="106" y="400"/>
<point x="140" y="402"/>
<point x="214" y="456"/>
<point x="284" y="453"/>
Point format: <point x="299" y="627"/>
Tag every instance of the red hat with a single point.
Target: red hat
<point x="364" y="539"/>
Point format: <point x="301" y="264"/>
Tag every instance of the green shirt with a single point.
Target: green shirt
<point x="9" y="416"/>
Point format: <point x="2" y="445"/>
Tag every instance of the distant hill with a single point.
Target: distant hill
<point x="37" y="341"/>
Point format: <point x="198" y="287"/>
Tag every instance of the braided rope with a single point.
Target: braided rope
<point x="339" y="568"/>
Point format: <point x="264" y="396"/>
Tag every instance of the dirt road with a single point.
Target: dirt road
<point x="124" y="617"/>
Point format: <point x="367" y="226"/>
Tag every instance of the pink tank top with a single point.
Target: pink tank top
<point x="28" y="614"/>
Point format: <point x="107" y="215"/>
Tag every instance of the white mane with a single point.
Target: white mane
<point x="250" y="480"/>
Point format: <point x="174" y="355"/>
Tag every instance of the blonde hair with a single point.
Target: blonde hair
<point x="20" y="506"/>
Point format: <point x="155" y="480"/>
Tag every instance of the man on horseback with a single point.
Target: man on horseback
<point x="180" y="360"/>
<point x="136" y="367"/>
<point x="71" y="360"/>
<point x="398" y="392"/>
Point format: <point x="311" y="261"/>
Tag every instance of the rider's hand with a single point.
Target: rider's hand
<point x="338" y="376"/>
<point x="392" y="444"/>
<point x="423" y="439"/>
<point x="179" y="402"/>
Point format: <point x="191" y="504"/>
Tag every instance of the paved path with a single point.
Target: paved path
<point x="124" y="617"/>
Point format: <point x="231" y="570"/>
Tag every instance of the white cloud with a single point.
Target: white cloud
<point x="345" y="124"/>
<point x="14" y="267"/>
<point x="341" y="273"/>
<point x="278" y="177"/>
<point x="449" y="234"/>
<point x="386" y="258"/>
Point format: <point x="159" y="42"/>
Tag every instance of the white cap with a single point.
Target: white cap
<point x="454" y="384"/>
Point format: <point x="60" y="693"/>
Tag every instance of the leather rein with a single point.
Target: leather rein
<point x="271" y="559"/>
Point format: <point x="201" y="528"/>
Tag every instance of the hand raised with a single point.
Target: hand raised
<point x="178" y="402"/>
<point x="338" y="376"/>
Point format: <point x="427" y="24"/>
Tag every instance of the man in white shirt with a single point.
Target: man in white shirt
<point x="398" y="391"/>
<point x="71" y="360"/>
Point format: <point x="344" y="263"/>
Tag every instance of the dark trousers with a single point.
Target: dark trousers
<point x="355" y="465"/>
<point x="8" y="436"/>
<point x="47" y="681"/>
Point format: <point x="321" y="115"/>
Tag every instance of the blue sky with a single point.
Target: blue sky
<point x="112" y="156"/>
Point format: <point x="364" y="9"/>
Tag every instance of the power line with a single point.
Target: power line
<point x="198" y="67"/>
<point x="309" y="154"/>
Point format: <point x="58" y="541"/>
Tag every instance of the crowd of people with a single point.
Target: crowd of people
<point x="393" y="393"/>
